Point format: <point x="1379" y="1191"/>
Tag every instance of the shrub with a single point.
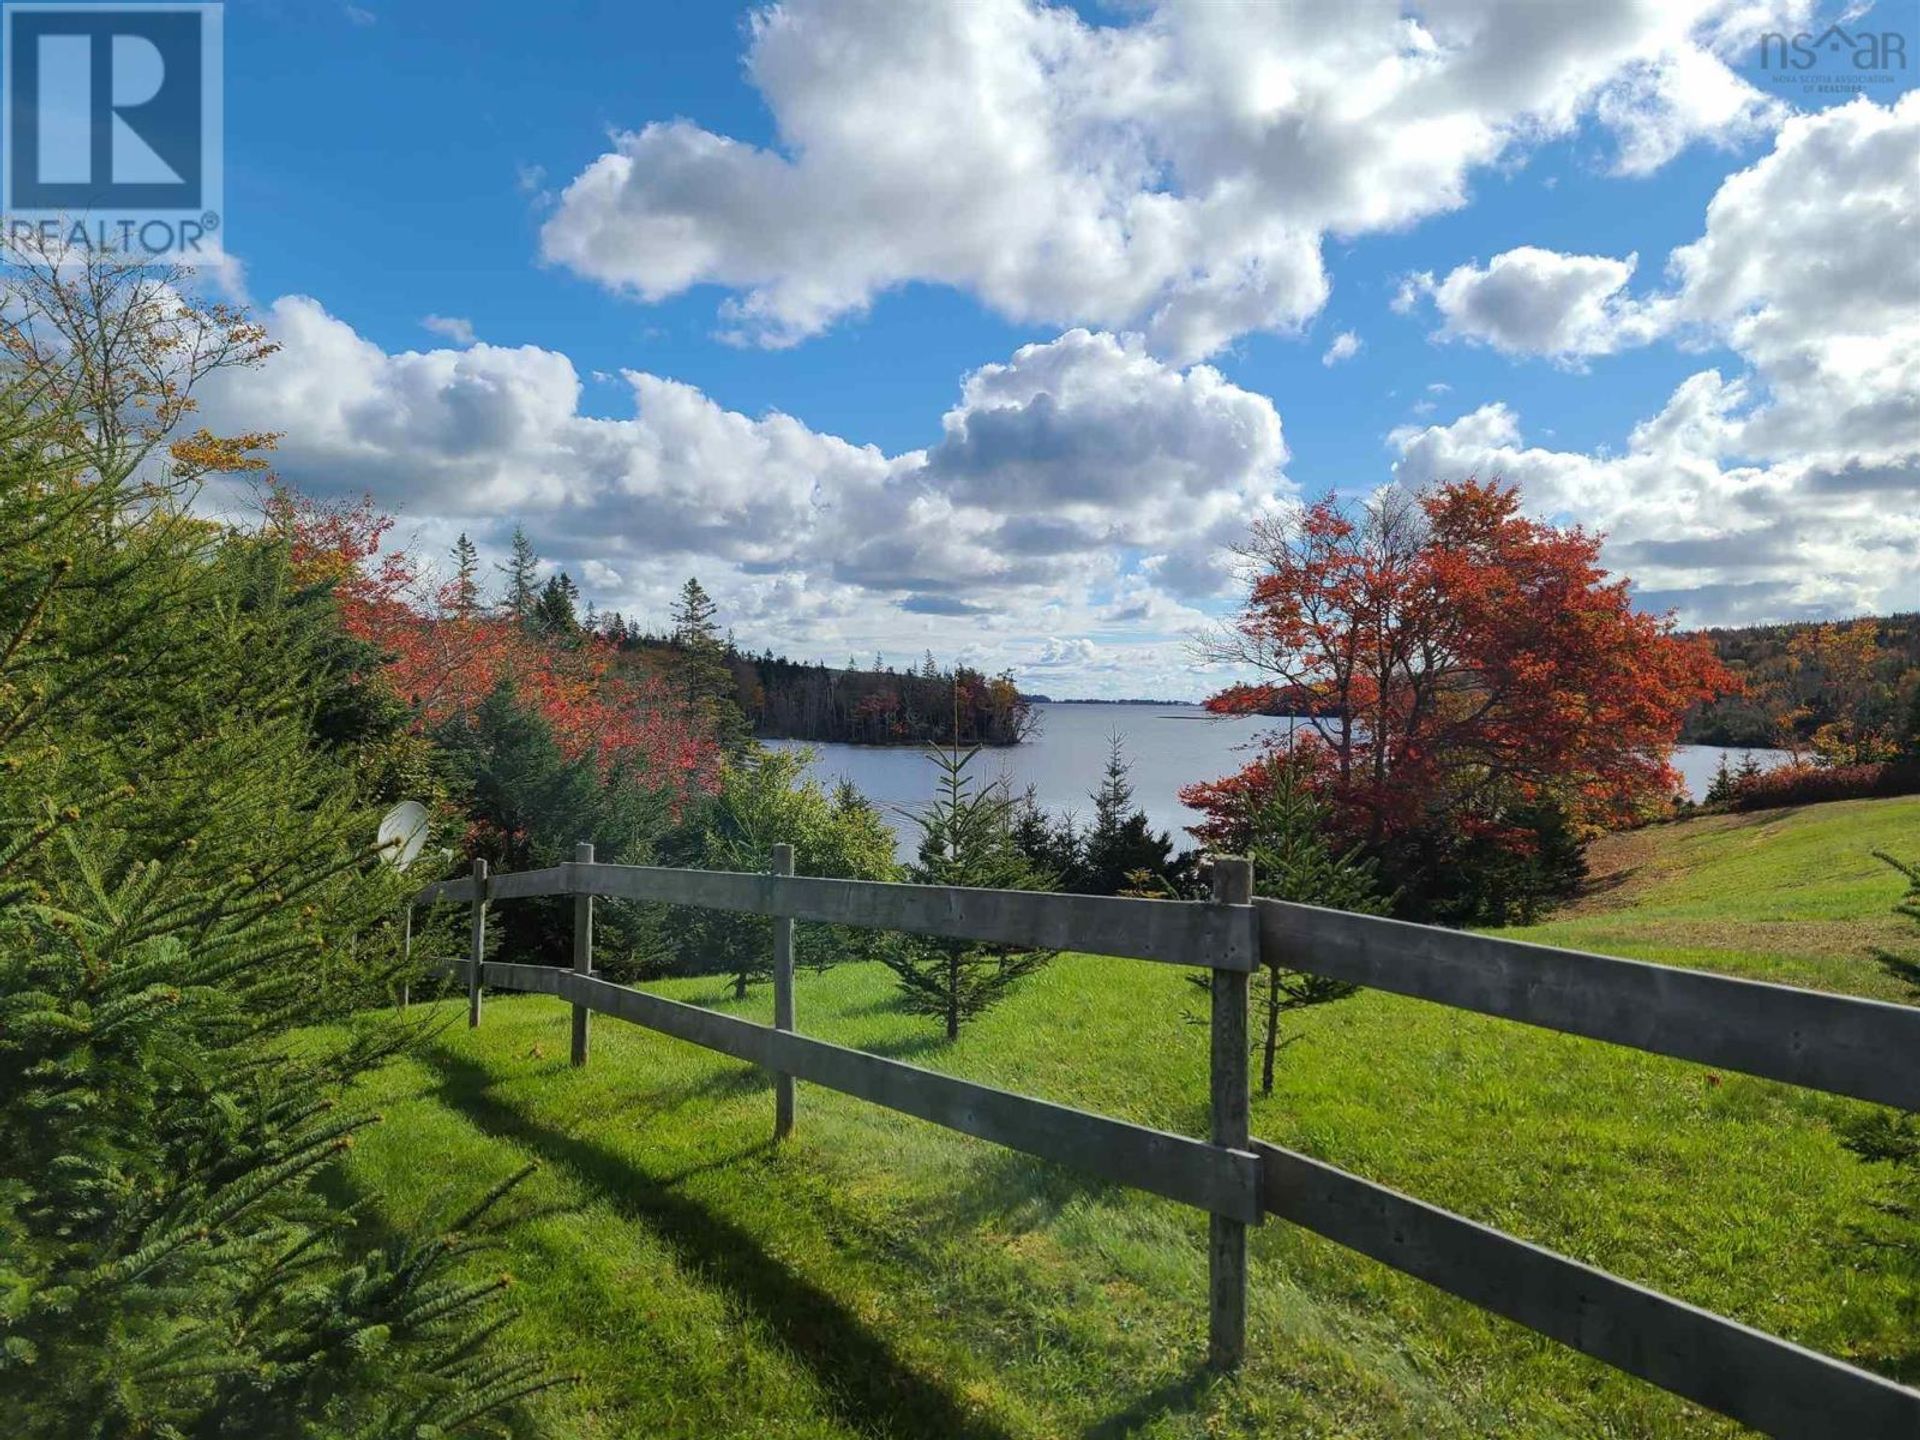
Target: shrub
<point x="1803" y="784"/>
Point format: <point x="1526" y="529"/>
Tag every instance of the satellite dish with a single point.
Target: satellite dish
<point x="403" y="830"/>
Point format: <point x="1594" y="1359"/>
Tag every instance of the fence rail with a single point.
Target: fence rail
<point x="1859" y="1048"/>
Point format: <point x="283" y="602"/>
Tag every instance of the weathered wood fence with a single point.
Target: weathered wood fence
<point x="1845" y="1046"/>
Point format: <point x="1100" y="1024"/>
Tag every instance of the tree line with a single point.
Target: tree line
<point x="1845" y="691"/>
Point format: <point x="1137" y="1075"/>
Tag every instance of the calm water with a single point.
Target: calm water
<point x="1169" y="746"/>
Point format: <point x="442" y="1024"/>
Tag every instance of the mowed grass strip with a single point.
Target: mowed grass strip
<point x="879" y="1276"/>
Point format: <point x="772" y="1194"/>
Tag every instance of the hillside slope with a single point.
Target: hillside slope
<point x="878" y="1276"/>
<point x="1791" y="895"/>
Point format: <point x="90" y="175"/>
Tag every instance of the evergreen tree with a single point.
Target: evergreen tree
<point x="1121" y="842"/>
<point x="168" y="911"/>
<point x="1294" y="858"/>
<point x="705" y="672"/>
<point x="966" y="838"/>
<point x="766" y="797"/>
<point x="554" y="615"/>
<point x="529" y="805"/>
<point x="1720" y="791"/>
<point x="1053" y="848"/>
<point x="171" y="911"/>
<point x="466" y="578"/>
<point x="522" y="572"/>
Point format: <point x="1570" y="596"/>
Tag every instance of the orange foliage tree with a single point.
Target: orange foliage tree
<point x="1450" y="661"/>
<point x="442" y="656"/>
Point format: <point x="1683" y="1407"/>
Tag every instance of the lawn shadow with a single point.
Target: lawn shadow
<point x="1597" y="886"/>
<point x="1177" y="1396"/>
<point x="868" y="1387"/>
<point x="1902" y="968"/>
<point x="1019" y="1191"/>
<point x="904" y="1047"/>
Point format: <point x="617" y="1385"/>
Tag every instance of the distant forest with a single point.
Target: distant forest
<point x="876" y="704"/>
<point x="1802" y="679"/>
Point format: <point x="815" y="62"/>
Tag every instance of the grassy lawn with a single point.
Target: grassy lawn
<point x="878" y="1276"/>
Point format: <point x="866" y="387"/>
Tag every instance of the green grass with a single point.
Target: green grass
<point x="879" y="1276"/>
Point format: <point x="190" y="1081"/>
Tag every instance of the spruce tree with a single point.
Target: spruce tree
<point x="767" y="797"/>
<point x="522" y="572"/>
<point x="1121" y="843"/>
<point x="554" y="614"/>
<point x="1296" y="858"/>
<point x="466" y="578"/>
<point x="966" y="838"/>
<point x="186" y="878"/>
<point x="706" y="676"/>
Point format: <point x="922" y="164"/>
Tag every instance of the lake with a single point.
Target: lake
<point x="1169" y="746"/>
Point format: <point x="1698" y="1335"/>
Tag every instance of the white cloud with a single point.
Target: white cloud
<point x="450" y="327"/>
<point x="1175" y="174"/>
<point x="1531" y="301"/>
<point x="1345" y="346"/>
<point x="1792" y="489"/>
<point x="1057" y="654"/>
<point x="1054" y="471"/>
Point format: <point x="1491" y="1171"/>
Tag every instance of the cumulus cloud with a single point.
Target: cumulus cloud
<point x="1056" y="654"/>
<point x="1175" y="174"/>
<point x="1793" y="488"/>
<point x="1345" y="346"/>
<point x="1055" y="470"/>
<point x="1530" y="301"/>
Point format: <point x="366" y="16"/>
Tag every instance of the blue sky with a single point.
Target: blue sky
<point x="395" y="161"/>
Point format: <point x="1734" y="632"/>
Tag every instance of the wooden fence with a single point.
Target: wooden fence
<point x="1845" y="1046"/>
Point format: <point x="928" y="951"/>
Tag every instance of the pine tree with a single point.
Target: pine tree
<point x="1053" y="848"/>
<point x="1121" y="843"/>
<point x="554" y="615"/>
<point x="522" y="572"/>
<point x="1720" y="791"/>
<point x="171" y="911"/>
<point x="767" y="797"/>
<point x="966" y="838"/>
<point x="705" y="672"/>
<point x="466" y="578"/>
<point x="1295" y="859"/>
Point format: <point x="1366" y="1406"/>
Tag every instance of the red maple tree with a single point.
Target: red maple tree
<point x="1447" y="657"/>
<point x="443" y="658"/>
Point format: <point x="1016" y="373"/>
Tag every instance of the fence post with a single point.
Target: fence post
<point x="479" y="942"/>
<point x="406" y="955"/>
<point x="782" y="997"/>
<point x="582" y="951"/>
<point x="1227" y="1239"/>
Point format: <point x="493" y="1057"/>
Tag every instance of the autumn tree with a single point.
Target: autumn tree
<point x="1837" y="677"/>
<point x="1460" y="667"/>
<point x="106" y="352"/>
